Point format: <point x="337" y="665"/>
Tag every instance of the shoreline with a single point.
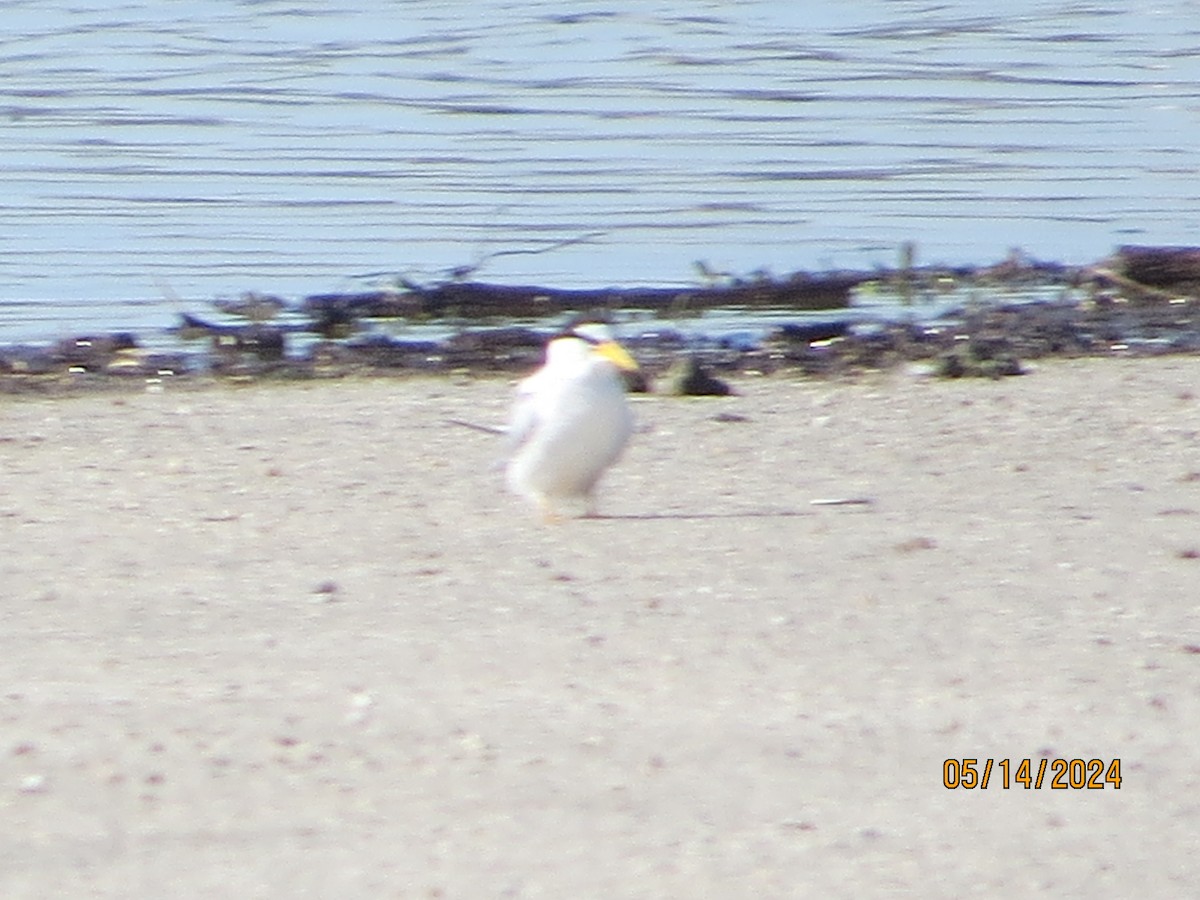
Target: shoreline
<point x="990" y="341"/>
<point x="1141" y="301"/>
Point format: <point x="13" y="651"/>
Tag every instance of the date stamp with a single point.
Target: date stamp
<point x="1055" y="774"/>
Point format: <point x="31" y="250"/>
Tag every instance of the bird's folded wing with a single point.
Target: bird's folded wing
<point x="523" y="420"/>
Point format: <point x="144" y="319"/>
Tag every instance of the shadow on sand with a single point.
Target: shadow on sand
<point x="700" y="516"/>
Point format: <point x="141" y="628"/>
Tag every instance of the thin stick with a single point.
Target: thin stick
<point x="486" y="429"/>
<point x="557" y="245"/>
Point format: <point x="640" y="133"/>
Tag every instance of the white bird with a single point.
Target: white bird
<point x="570" y="420"/>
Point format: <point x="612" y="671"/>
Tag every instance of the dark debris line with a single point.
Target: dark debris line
<point x="1143" y="300"/>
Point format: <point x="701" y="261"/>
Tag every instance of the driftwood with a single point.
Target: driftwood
<point x="474" y="299"/>
<point x="1159" y="267"/>
<point x="801" y="291"/>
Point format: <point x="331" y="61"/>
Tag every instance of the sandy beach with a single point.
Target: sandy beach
<point x="295" y="640"/>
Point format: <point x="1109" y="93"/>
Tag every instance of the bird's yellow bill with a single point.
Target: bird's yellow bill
<point x="617" y="355"/>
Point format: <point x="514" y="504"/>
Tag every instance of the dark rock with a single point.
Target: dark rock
<point x="689" y="378"/>
<point x="25" y="360"/>
<point x="92" y="352"/>
<point x="496" y="340"/>
<point x="807" y="332"/>
<point x="951" y="365"/>
<point x="962" y="363"/>
<point x="384" y="352"/>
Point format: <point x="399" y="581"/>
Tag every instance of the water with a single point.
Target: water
<point x="196" y="149"/>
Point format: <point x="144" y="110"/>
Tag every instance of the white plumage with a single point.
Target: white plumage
<point x="571" y="420"/>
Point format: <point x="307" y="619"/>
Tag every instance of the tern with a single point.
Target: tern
<point x="571" y="420"/>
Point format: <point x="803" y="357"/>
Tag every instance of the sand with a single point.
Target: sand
<point x="296" y="641"/>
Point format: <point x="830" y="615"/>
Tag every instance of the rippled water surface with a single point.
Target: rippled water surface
<point x="195" y="148"/>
